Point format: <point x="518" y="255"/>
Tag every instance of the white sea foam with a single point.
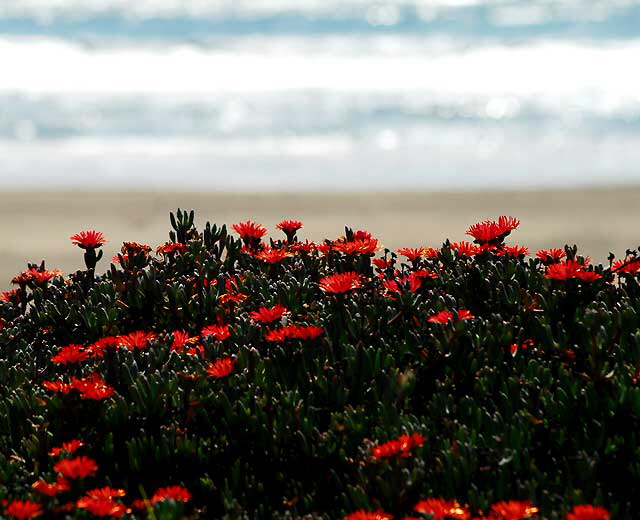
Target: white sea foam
<point x="555" y="75"/>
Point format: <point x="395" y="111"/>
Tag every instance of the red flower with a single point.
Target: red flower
<point x="514" y="251"/>
<point x="100" y="506"/>
<point x="219" y="332"/>
<point x="98" y="348"/>
<point x="382" y="264"/>
<point x="276" y="336"/>
<point x="92" y="387"/>
<point x="550" y="256"/>
<point x="51" y="489"/>
<point x="232" y="298"/>
<point x="563" y="270"/>
<point x="365" y="515"/>
<point x="340" y="283"/>
<point x="465" y="248"/>
<point x="417" y="277"/>
<point x="588" y="276"/>
<point x="303" y="247"/>
<point x="34" y="275"/>
<point x="265" y="315"/>
<point x="88" y="239"/>
<point x="136" y="340"/>
<point x="631" y="266"/>
<point x="169" y="248"/>
<point x="303" y="333"/>
<point x="293" y="332"/>
<point x="513" y="510"/>
<point x="175" y="493"/>
<point x="80" y="467"/>
<point x="365" y="246"/>
<point x="181" y="340"/>
<point x="587" y="512"/>
<point x="106" y="492"/>
<point x="444" y="317"/>
<point x="57" y="387"/>
<point x="401" y="446"/>
<point x="249" y="231"/>
<point x="133" y="249"/>
<point x="13" y="296"/>
<point x="66" y="448"/>
<point x="70" y="354"/>
<point x="289" y="227"/>
<point x="273" y="256"/>
<point x="490" y="231"/>
<point x="26" y="509"/>
<point x="221" y="368"/>
<point x="441" y="509"/>
<point x="412" y="253"/>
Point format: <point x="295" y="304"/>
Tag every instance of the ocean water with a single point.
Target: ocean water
<point x="318" y="94"/>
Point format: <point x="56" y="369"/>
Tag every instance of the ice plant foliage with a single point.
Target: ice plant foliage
<point x="242" y="378"/>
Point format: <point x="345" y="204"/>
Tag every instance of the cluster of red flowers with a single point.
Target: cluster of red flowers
<point x="294" y="332"/>
<point x="630" y="266"/>
<point x="550" y="256"/>
<point x="414" y="281"/>
<point x="217" y="332"/>
<point x="570" y="269"/>
<point x="99" y="501"/>
<point x="414" y="254"/>
<point x="37" y="276"/>
<point x="440" y="509"/>
<point x="169" y="248"/>
<point x="92" y="387"/>
<point x="400" y="447"/>
<point x="273" y="256"/>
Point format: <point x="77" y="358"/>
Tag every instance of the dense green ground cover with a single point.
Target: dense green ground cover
<point x="527" y="391"/>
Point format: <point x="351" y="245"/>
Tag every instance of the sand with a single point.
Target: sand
<point x="37" y="225"/>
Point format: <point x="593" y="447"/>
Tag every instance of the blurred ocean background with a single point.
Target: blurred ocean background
<point x="347" y="95"/>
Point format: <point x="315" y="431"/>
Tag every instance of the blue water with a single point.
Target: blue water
<point x="340" y="95"/>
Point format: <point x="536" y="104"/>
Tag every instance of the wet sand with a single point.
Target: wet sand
<point x="37" y="225"/>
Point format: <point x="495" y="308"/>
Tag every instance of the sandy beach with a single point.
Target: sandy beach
<point x="37" y="225"/>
